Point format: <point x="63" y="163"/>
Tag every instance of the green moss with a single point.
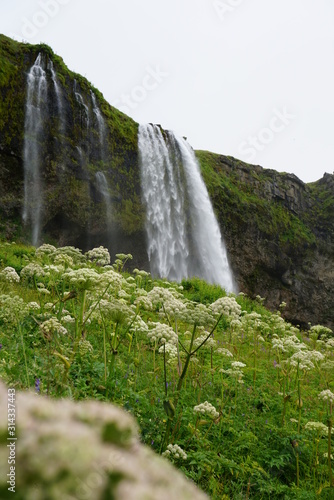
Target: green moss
<point x="239" y="201"/>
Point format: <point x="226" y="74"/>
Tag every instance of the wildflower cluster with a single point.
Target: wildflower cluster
<point x="171" y="352"/>
<point x="235" y="371"/>
<point x="210" y="343"/>
<point x="227" y="306"/>
<point x="287" y="344"/>
<point x="224" y="352"/>
<point x="327" y="395"/>
<point x="82" y="279"/>
<point x="99" y="255"/>
<point x="85" y="347"/>
<point x="12" y="309"/>
<point x="168" y="299"/>
<point x="10" y="275"/>
<point x="319" y="427"/>
<point x="45" y="250"/>
<point x="162" y="333"/>
<point x="32" y="271"/>
<point x="52" y="326"/>
<point x="174" y="451"/>
<point x="206" y="409"/>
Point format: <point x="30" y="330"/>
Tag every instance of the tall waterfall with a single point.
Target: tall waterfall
<point x="32" y="149"/>
<point x="103" y="189"/>
<point x="183" y="234"/>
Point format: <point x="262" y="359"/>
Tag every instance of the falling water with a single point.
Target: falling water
<point x="32" y="149"/>
<point x="103" y="189"/>
<point x="59" y="97"/>
<point x="212" y="255"/>
<point x="102" y="129"/>
<point x="83" y="106"/>
<point x="163" y="193"/>
<point x="183" y="234"/>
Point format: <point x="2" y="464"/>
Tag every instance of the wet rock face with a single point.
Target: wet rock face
<point x="88" y="450"/>
<point x="81" y="136"/>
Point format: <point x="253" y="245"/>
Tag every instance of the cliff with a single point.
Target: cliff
<point x="73" y="211"/>
<point x="278" y="230"/>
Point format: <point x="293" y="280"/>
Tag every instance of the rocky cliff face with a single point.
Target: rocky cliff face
<point x="279" y="233"/>
<point x="73" y="208"/>
<point x="278" y="230"/>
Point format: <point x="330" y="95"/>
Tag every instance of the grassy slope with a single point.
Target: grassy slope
<point x="238" y="199"/>
<point x="252" y="450"/>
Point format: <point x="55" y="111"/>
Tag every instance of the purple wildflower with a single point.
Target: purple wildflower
<point x="37" y="385"/>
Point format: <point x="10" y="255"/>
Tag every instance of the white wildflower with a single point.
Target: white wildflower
<point x="33" y="306"/>
<point x="174" y="451"/>
<point x="171" y="352"/>
<point x="326" y="395"/>
<point x="83" y="279"/>
<point x="51" y="326"/>
<point x="99" y="255"/>
<point x="10" y="275"/>
<point x="45" y="250"/>
<point x="162" y="333"/>
<point x="68" y="319"/>
<point x="227" y="306"/>
<point x="210" y="343"/>
<point x="32" y="271"/>
<point x="85" y="347"/>
<point x="224" y="352"/>
<point x="206" y="409"/>
<point x="238" y="364"/>
<point x="319" y="427"/>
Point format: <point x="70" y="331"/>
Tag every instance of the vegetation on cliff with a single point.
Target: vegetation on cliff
<point x="279" y="232"/>
<point x="238" y="399"/>
<point x="62" y="166"/>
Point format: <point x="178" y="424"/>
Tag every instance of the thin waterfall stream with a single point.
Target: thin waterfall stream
<point x="32" y="149"/>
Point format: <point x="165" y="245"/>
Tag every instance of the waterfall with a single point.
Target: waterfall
<point x="102" y="129"/>
<point x="59" y="98"/>
<point x="103" y="188"/>
<point x="163" y="193"/>
<point x="83" y="107"/>
<point x="32" y="149"/>
<point x="212" y="254"/>
<point x="183" y="235"/>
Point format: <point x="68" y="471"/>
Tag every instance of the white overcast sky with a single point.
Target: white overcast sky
<point x="249" y="78"/>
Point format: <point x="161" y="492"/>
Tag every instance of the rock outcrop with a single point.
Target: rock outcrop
<point x="82" y="451"/>
<point x="280" y="235"/>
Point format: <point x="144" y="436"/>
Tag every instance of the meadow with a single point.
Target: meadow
<point x="237" y="398"/>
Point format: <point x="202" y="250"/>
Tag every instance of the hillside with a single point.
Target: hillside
<point x="278" y="230"/>
<point x="239" y="400"/>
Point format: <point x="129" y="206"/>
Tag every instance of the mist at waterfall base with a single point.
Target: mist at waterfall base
<point x="183" y="235"/>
